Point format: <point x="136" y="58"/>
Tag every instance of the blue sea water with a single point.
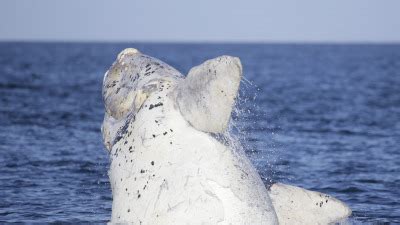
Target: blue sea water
<point x="323" y="117"/>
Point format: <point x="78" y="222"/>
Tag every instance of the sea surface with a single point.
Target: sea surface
<point x="323" y="117"/>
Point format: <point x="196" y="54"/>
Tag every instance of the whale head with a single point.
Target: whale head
<point x="131" y="78"/>
<point x="204" y="97"/>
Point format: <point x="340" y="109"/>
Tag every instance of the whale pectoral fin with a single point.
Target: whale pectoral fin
<point x="206" y="96"/>
<point x="294" y="205"/>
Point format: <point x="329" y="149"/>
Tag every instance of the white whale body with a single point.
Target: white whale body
<point x="167" y="168"/>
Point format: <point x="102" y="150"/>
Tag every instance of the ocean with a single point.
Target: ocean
<point x="325" y="117"/>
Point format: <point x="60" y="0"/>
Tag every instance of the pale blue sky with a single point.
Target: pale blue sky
<point x="201" y="20"/>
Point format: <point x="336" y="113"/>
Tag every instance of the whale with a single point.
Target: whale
<point x="167" y="162"/>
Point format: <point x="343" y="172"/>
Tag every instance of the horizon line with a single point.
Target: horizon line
<point x="84" y="41"/>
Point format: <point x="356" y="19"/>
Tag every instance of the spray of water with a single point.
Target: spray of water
<point x="240" y="135"/>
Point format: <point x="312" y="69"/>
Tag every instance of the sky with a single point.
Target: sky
<point x="201" y="20"/>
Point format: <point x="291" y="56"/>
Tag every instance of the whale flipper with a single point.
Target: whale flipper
<point x="206" y="96"/>
<point x="295" y="205"/>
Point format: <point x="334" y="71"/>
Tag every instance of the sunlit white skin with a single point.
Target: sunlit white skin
<point x="165" y="171"/>
<point x="166" y="168"/>
<point x="294" y="205"/>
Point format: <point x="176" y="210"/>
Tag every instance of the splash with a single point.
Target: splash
<point x="241" y="133"/>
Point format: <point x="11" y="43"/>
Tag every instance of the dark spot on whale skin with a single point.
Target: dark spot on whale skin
<point x="170" y="142"/>
<point x="152" y="163"/>
<point x="129" y="210"/>
<point x="154" y="135"/>
<point x="142" y="171"/>
<point x="155" y="105"/>
<point x="171" y="130"/>
<point x="110" y="85"/>
<point x="133" y="79"/>
<point x="138" y="196"/>
<point x="123" y="129"/>
<point x="165" y="133"/>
